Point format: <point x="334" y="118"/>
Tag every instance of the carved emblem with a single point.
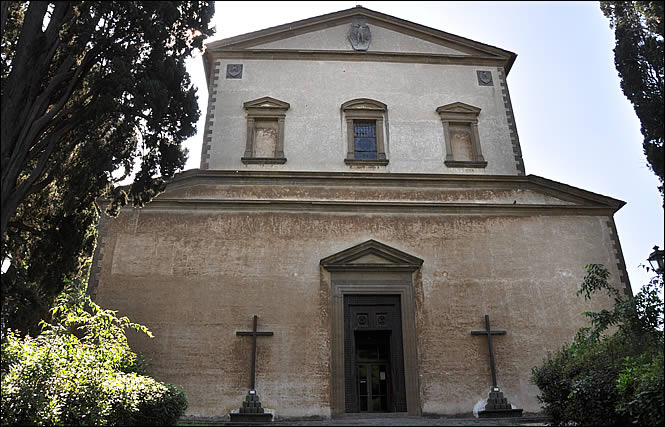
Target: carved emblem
<point x="234" y="71"/>
<point x="362" y="319"/>
<point x="485" y="78"/>
<point x="359" y="34"/>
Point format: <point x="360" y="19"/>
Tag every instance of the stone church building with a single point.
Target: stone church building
<point x="362" y="192"/>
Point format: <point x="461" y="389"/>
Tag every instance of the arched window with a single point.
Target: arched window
<point x="365" y="121"/>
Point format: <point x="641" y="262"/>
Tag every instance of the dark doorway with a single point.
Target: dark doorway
<point x="373" y="370"/>
<point x="373" y="355"/>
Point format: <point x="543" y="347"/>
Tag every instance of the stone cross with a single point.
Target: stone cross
<point x="254" y="334"/>
<point x="489" y="334"/>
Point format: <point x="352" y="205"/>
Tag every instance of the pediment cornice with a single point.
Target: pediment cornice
<point x="267" y="103"/>
<point x="243" y="45"/>
<point x="458" y="107"/>
<point x="364" y="104"/>
<point x="371" y="256"/>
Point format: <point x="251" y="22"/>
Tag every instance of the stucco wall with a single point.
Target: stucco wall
<point x="195" y="277"/>
<point x="315" y="132"/>
<point x="383" y="40"/>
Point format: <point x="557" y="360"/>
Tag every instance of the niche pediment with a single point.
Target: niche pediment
<point x="371" y="256"/>
<point x="458" y="107"/>
<point x="267" y="103"/>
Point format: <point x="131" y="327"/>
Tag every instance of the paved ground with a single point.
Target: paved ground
<point x="418" y="421"/>
<point x="383" y="420"/>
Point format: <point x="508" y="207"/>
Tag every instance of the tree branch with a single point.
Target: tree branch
<point x="23" y="189"/>
<point x="23" y="227"/>
<point x="4" y="14"/>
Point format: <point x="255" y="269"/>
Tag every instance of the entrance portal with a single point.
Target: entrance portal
<point x="373" y="359"/>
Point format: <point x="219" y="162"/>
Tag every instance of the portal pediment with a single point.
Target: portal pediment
<point x="371" y="256"/>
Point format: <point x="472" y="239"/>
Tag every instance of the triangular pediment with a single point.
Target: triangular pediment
<point x="390" y="38"/>
<point x="267" y="102"/>
<point x="458" y="107"/>
<point x="383" y="39"/>
<point x="371" y="256"/>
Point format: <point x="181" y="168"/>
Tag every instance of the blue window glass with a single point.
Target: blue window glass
<point x="364" y="138"/>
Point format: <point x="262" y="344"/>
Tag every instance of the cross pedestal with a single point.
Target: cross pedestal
<point x="496" y="406"/>
<point x="251" y="410"/>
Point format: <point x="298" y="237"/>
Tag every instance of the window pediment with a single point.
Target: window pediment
<point x="364" y="104"/>
<point x="459" y="108"/>
<point x="267" y="103"/>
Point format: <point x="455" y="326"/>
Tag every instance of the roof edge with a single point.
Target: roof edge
<point x="357" y="10"/>
<point x="554" y="188"/>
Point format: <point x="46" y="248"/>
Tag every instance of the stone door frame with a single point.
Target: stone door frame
<point x="373" y="268"/>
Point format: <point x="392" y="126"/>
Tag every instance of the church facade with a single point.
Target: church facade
<point x="362" y="192"/>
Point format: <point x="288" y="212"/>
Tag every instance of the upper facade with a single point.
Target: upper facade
<point x="359" y="91"/>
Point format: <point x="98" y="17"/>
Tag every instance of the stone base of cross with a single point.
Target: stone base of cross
<point x="497" y="406"/>
<point x="251" y="411"/>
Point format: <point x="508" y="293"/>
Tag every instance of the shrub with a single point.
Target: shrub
<point x="81" y="371"/>
<point x="608" y="379"/>
<point x="138" y="400"/>
<point x="578" y="384"/>
<point x="640" y="387"/>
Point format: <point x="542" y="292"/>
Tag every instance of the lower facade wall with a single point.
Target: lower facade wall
<point x="196" y="277"/>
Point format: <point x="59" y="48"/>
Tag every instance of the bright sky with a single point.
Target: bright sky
<point x="574" y="124"/>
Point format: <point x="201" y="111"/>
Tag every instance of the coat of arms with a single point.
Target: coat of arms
<point x="234" y="71"/>
<point x="359" y="34"/>
<point x="485" y="78"/>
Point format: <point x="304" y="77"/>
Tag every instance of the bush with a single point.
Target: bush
<point x="138" y="400"/>
<point x="59" y="378"/>
<point x="578" y="384"/>
<point x="608" y="379"/>
<point x="640" y="387"/>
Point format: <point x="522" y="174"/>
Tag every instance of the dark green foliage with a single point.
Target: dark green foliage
<point x="136" y="400"/>
<point x="43" y="260"/>
<point x="81" y="371"/>
<point x="92" y="92"/>
<point x="578" y="384"/>
<point x="639" y="58"/>
<point x="640" y="385"/>
<point x="609" y="379"/>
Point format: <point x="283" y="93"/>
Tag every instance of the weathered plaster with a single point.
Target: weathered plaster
<point x="195" y="276"/>
<point x="314" y="137"/>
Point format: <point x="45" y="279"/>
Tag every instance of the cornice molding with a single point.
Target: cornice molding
<point x="396" y="260"/>
<point x="580" y="202"/>
<point x="267" y="103"/>
<point x="447" y="181"/>
<point x="409" y="208"/>
<point x="241" y="46"/>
